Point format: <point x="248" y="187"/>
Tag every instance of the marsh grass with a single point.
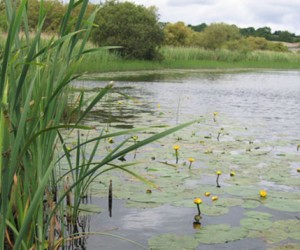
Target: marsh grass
<point x="192" y="58"/>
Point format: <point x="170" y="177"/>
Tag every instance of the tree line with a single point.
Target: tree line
<point x="138" y="31"/>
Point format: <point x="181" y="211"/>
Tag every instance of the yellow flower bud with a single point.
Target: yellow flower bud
<point x="263" y="193"/>
<point x="176" y="147"/>
<point x="197" y="201"/>
<point x="191" y="160"/>
<point x="219" y="172"/>
<point x="207" y="194"/>
<point x="232" y="173"/>
<point x="214" y="198"/>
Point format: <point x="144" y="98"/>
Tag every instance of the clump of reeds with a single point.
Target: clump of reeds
<point x="34" y="80"/>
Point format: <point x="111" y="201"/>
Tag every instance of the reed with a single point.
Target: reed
<point x="34" y="87"/>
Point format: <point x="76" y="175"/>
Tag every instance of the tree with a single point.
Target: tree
<point x="199" y="27"/>
<point x="178" y="34"/>
<point x="134" y="27"/>
<point x="217" y="34"/>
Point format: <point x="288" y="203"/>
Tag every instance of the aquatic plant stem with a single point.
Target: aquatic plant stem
<point x="198" y="207"/>
<point x="218" y="185"/>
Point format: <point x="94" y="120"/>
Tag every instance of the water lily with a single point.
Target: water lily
<point x="232" y="173"/>
<point x="120" y="102"/>
<point x="191" y="160"/>
<point x="298" y="170"/>
<point x="298" y="147"/>
<point x="198" y="201"/>
<point x="158" y="105"/>
<point x="207" y="194"/>
<point x="214" y="198"/>
<point x="217" y="180"/>
<point x="176" y="148"/>
<point x="110" y="140"/>
<point x="263" y="193"/>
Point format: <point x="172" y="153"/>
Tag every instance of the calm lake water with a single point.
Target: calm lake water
<point x="263" y="107"/>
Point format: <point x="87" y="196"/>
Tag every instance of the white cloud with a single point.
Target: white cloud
<point x="276" y="14"/>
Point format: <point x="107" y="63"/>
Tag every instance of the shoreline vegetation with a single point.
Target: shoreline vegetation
<point x="184" y="58"/>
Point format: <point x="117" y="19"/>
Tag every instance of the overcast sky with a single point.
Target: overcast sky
<point x="276" y="14"/>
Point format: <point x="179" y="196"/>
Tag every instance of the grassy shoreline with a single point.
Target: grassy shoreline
<point x="192" y="58"/>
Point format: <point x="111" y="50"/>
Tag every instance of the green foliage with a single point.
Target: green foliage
<point x="217" y="34"/>
<point x="134" y="27"/>
<point x="254" y="43"/>
<point x="178" y="34"/>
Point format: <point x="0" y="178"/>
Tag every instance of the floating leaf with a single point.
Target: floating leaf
<point x="172" y="241"/>
<point x="258" y="215"/>
<point x="222" y="233"/>
<point x="250" y="203"/>
<point x="255" y="223"/>
<point x="287" y="205"/>
<point x="230" y="202"/>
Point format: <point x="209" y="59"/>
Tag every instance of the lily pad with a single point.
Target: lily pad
<point x="250" y="203"/>
<point x="222" y="233"/>
<point x="172" y="242"/>
<point x="287" y="205"/>
<point x="255" y="223"/>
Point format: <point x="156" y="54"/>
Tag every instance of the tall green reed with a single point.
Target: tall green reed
<point x="34" y="80"/>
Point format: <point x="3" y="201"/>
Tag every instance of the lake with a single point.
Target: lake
<point x="250" y="125"/>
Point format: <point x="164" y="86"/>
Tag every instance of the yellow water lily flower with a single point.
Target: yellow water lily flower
<point x="232" y="173"/>
<point x="263" y="193"/>
<point x="158" y="106"/>
<point x="298" y="147"/>
<point x="197" y="201"/>
<point x="298" y="170"/>
<point x="216" y="113"/>
<point x="176" y="147"/>
<point x="219" y="172"/>
<point x="207" y="194"/>
<point x="191" y="160"/>
<point x="120" y="102"/>
<point x="214" y="198"/>
<point x="110" y="140"/>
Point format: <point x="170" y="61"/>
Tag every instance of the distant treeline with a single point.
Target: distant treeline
<point x="56" y="9"/>
<point x="138" y="33"/>
<point x="265" y="32"/>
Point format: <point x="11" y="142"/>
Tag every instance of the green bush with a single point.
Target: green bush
<point x="134" y="27"/>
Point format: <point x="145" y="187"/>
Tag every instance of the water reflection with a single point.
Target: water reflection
<point x="269" y="101"/>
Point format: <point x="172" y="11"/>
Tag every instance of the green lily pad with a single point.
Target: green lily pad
<point x="255" y="224"/>
<point x="258" y="215"/>
<point x="230" y="202"/>
<point x="286" y="247"/>
<point x="287" y="205"/>
<point x="291" y="227"/>
<point x="172" y="241"/>
<point x="249" y="203"/>
<point x="280" y="231"/>
<point x="244" y="191"/>
<point x="222" y="233"/>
